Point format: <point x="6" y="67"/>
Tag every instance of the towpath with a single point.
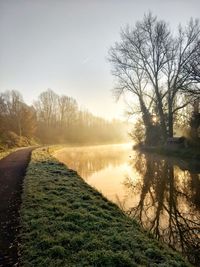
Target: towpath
<point x="12" y="172"/>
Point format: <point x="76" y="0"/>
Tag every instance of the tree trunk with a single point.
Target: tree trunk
<point x="170" y="119"/>
<point x="146" y="116"/>
<point x="195" y="121"/>
<point x="161" y="114"/>
<point x="170" y="125"/>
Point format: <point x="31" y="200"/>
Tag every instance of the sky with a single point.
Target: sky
<point x="63" y="45"/>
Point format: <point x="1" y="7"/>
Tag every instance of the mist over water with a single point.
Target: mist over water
<point x="162" y="194"/>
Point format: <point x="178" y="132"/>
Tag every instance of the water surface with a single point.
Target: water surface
<point x="163" y="194"/>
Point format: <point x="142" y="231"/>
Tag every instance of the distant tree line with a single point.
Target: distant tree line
<point x="161" y="69"/>
<point x="53" y="119"/>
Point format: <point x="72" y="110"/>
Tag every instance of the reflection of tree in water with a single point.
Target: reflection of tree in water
<point x="88" y="160"/>
<point x="169" y="203"/>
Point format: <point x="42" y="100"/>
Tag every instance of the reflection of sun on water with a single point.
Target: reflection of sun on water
<point x="110" y="181"/>
<point x="103" y="167"/>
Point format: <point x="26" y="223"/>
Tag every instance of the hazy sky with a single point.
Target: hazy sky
<point x="63" y="45"/>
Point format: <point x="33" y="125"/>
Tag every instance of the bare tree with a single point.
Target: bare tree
<point x="144" y="47"/>
<point x="46" y="107"/>
<point x="67" y="109"/>
<point x="149" y="62"/>
<point x="13" y="105"/>
<point x="180" y="54"/>
<point x="16" y="116"/>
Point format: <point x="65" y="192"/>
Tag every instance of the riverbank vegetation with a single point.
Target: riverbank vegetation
<point x="191" y="153"/>
<point x="4" y="153"/>
<point x="65" y="222"/>
<point x="53" y="119"/>
<point x="158" y="71"/>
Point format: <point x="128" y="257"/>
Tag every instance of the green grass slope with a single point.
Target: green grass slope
<point x="65" y="222"/>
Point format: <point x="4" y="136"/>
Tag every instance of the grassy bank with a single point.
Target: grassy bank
<point x="65" y="222"/>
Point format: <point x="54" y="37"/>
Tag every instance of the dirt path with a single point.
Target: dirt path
<point x="12" y="171"/>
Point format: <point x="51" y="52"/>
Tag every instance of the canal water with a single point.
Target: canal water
<point x="163" y="194"/>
